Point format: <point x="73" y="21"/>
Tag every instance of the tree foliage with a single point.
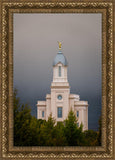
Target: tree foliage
<point x="73" y="133"/>
<point x="25" y="126"/>
<point x="29" y="131"/>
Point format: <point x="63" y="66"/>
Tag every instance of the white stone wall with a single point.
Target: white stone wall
<point x="83" y="114"/>
<point x="39" y="112"/>
<point x="48" y="105"/>
<point x="63" y="77"/>
<point x="64" y="102"/>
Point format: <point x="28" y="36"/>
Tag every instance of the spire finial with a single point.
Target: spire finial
<point x="60" y="44"/>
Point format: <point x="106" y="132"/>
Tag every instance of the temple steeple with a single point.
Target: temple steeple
<point x="60" y="68"/>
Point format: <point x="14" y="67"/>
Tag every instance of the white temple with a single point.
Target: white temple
<point x="60" y="101"/>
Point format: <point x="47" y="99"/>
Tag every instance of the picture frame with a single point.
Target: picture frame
<point x="7" y="150"/>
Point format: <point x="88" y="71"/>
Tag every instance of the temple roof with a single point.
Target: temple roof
<point x="60" y="58"/>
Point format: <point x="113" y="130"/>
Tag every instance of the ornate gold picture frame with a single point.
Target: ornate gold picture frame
<point x="7" y="150"/>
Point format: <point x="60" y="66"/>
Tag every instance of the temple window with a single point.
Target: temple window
<point x="59" y="113"/>
<point x="59" y="71"/>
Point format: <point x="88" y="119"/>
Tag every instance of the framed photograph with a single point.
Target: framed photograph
<point x="57" y="80"/>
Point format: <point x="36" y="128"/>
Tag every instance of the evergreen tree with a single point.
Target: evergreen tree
<point x="60" y="139"/>
<point x="73" y="133"/>
<point x="25" y="126"/>
<point x="47" y="132"/>
<point x="90" y="138"/>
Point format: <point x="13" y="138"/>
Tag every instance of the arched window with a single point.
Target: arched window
<point x="59" y="71"/>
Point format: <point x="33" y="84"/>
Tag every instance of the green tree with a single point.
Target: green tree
<point x="60" y="139"/>
<point x="47" y="132"/>
<point x="90" y="138"/>
<point x="25" y="126"/>
<point x="73" y="133"/>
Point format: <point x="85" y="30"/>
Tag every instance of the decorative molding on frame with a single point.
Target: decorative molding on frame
<point x="8" y="150"/>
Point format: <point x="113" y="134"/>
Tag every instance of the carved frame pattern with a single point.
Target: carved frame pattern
<point x="8" y="150"/>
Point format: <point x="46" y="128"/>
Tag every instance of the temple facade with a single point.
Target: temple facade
<point x="60" y="101"/>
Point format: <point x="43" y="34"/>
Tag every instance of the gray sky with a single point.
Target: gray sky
<point x="35" y="47"/>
